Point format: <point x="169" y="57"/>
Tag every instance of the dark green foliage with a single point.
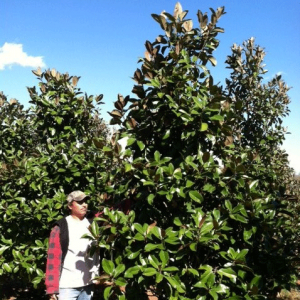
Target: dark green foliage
<point x="204" y="173"/>
<point x="47" y="151"/>
<point x="214" y="207"/>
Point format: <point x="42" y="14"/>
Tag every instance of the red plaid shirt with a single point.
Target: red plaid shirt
<point x="53" y="267"/>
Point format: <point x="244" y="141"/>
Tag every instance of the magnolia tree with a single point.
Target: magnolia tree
<point x="56" y="146"/>
<point x="203" y="173"/>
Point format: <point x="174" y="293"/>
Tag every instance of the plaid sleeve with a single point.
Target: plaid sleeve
<point x="53" y="266"/>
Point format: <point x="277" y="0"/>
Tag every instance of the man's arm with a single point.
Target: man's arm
<point x="53" y="263"/>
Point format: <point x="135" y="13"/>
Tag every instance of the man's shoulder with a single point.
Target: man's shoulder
<point x="61" y="222"/>
<point x="87" y="221"/>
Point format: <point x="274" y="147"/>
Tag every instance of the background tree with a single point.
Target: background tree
<point x="205" y="174"/>
<point x="47" y="151"/>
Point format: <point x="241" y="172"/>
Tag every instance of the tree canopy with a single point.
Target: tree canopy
<point x="46" y="151"/>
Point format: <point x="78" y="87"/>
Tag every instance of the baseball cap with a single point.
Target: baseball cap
<point x="76" y="196"/>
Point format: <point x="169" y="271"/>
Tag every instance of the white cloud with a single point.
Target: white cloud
<point x="13" y="54"/>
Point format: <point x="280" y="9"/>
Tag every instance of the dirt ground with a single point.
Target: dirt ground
<point x="284" y="295"/>
<point x="289" y="295"/>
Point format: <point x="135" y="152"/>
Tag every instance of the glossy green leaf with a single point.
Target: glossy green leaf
<point x="209" y="188"/>
<point x="130" y="141"/>
<point x="228" y="272"/>
<point x="204" y="127"/>
<point x="217" y="118"/>
<point x="139" y="228"/>
<point x="107" y="292"/>
<point x="108" y="266"/>
<point x="149" y="247"/>
<point x="159" y="277"/>
<point x="164" y="257"/>
<point x="196" y="196"/>
<point x="153" y="261"/>
<point x="170" y="269"/>
<point x="157" y="156"/>
<point x="175" y="284"/>
<point x="118" y="270"/>
<point x="134" y="255"/>
<point x="132" y="271"/>
<point x="120" y="281"/>
<point x="149" y="272"/>
<point x="7" y="267"/>
<point x="141" y="145"/>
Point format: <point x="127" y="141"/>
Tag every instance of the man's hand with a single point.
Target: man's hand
<point x="53" y="297"/>
<point x="104" y="279"/>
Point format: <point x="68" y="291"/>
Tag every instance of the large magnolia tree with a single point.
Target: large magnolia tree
<point x="203" y="171"/>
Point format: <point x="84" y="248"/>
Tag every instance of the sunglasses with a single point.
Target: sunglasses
<point x="82" y="201"/>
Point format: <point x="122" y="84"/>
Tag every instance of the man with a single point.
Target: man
<point x="70" y="269"/>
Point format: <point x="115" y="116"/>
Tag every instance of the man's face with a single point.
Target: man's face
<point x="78" y="208"/>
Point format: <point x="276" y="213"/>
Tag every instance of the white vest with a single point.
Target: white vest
<point x="78" y="268"/>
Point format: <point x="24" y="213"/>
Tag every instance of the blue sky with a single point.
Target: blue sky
<point x="101" y="41"/>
